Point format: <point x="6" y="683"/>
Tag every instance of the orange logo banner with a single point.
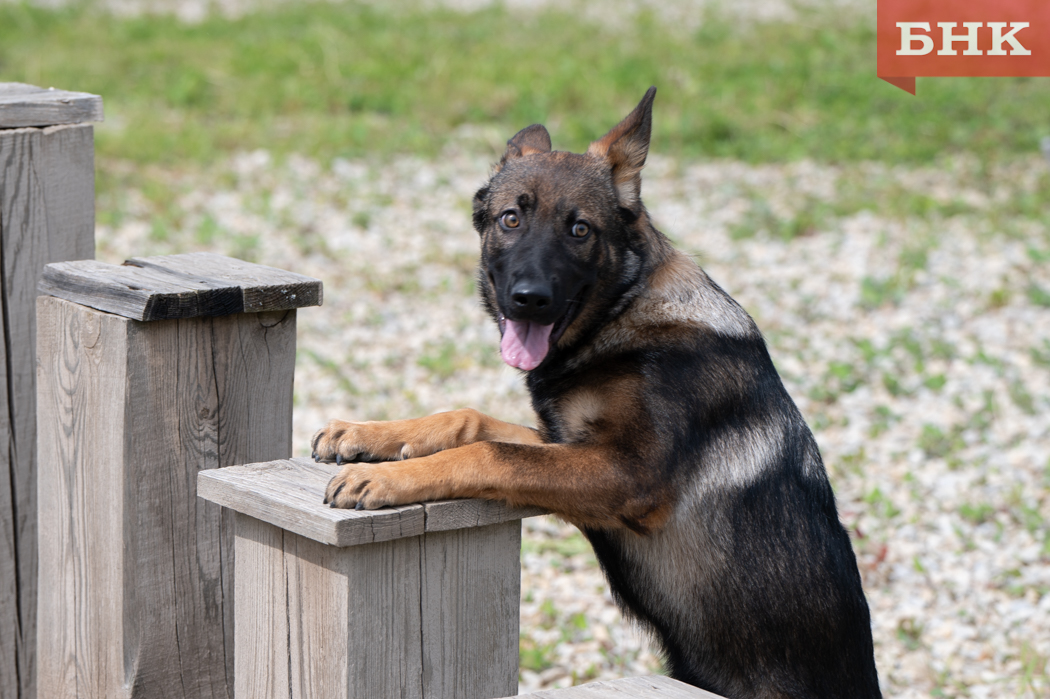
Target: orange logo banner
<point x="962" y="38"/>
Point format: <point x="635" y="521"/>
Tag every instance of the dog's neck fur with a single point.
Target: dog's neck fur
<point x="671" y="289"/>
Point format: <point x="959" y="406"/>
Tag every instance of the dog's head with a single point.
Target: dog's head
<point x="560" y="234"/>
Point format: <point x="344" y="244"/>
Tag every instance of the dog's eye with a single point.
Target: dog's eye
<point x="510" y="220"/>
<point x="580" y="229"/>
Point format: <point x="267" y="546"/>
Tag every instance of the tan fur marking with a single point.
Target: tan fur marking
<point x="580" y="483"/>
<point x="680" y="296"/>
<point x="582" y="480"/>
<point x="405" y="439"/>
<point x="597" y="413"/>
<point x="579" y="410"/>
<point x="678" y="277"/>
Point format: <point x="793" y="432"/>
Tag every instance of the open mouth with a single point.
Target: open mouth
<point x="525" y="344"/>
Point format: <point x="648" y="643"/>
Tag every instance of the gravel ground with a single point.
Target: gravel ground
<point x="914" y="336"/>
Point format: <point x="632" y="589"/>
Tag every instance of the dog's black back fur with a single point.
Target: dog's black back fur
<point x="772" y="605"/>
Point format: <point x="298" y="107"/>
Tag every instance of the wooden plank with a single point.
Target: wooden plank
<point x="28" y="105"/>
<point x="172" y="595"/>
<point x="290" y="494"/>
<point x="48" y="190"/>
<point x="23" y="251"/>
<point x="10" y="623"/>
<point x="651" y="687"/>
<point x="443" y="515"/>
<point x="46" y="214"/>
<point x="264" y="288"/>
<point x="133" y="292"/>
<point x="353" y="618"/>
<point x="262" y="618"/>
<point x="254" y="365"/>
<point x="384" y="658"/>
<point x="82" y="381"/>
<point x="67" y="164"/>
<point x="189" y="393"/>
<point x="196" y="388"/>
<point x="471" y="586"/>
<point x="318" y="603"/>
<point x="324" y="621"/>
<point x="166" y="288"/>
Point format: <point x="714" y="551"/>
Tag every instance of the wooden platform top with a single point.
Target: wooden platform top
<point x="24" y="105"/>
<point x="290" y="494"/>
<point x="179" y="286"/>
<point x="651" y="687"/>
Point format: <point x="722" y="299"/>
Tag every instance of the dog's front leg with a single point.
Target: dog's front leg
<point x="587" y="484"/>
<point x="396" y="440"/>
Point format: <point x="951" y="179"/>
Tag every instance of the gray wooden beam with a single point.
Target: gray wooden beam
<point x="24" y="105"/>
<point x="190" y="285"/>
<point x="47" y="214"/>
<point x="289" y="494"/>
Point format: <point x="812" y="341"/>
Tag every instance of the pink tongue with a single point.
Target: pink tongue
<point x="524" y="344"/>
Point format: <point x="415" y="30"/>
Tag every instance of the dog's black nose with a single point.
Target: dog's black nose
<point x="531" y="298"/>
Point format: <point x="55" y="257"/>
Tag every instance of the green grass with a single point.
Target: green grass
<point x="343" y="79"/>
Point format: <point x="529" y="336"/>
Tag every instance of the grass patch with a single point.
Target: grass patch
<point x="445" y="360"/>
<point x="1038" y="295"/>
<point x="977" y="514"/>
<point x="937" y="444"/>
<point x="346" y="79"/>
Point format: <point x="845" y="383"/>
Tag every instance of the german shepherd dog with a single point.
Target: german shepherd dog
<point x="665" y="433"/>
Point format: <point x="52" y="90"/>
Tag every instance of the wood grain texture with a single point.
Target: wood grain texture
<point x="180" y="286"/>
<point x="372" y="649"/>
<point x="471" y="587"/>
<point x="444" y="515"/>
<point x="46" y="214"/>
<point x="651" y="687"/>
<point x="262" y="656"/>
<point x="28" y="105"/>
<point x="82" y="376"/>
<point x="290" y="494"/>
<point x="254" y="367"/>
<point x="262" y="288"/>
<point x="10" y="622"/>
<point x="433" y="616"/>
<point x="188" y="393"/>
<point x="23" y="236"/>
<point x="318" y="606"/>
<point x="67" y="164"/>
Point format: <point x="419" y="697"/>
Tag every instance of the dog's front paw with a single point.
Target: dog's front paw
<point x="341" y="441"/>
<point x="365" y="487"/>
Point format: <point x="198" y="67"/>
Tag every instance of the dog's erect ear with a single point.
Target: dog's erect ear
<point x="529" y="141"/>
<point x="625" y="148"/>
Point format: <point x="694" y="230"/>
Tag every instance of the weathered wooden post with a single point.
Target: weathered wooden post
<point x="47" y="214"/>
<point x="413" y="601"/>
<point x="148" y="373"/>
